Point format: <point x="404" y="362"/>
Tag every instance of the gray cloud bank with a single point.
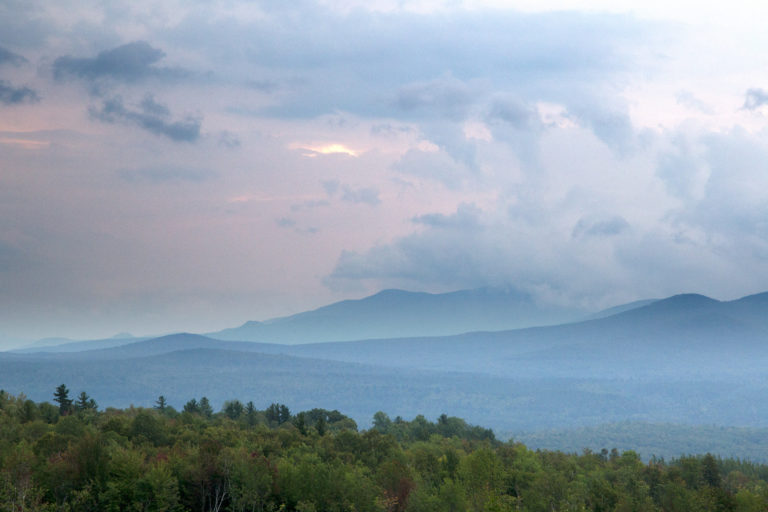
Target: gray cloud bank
<point x="8" y="57"/>
<point x="151" y="116"/>
<point x="11" y="95"/>
<point x="131" y="62"/>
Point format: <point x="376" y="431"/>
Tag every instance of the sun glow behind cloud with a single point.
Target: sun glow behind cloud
<point x="314" y="150"/>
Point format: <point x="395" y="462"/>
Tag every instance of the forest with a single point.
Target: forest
<point x="70" y="455"/>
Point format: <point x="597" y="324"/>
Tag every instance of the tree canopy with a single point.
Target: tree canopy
<point x="244" y="459"/>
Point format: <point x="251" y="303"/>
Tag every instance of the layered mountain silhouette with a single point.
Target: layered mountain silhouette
<point x="399" y="313"/>
<point x="685" y="359"/>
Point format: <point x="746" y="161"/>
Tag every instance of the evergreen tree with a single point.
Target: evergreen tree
<point x="85" y="403"/>
<point x="61" y="396"/>
<point x="205" y="407"/>
<point x="233" y="409"/>
<point x="250" y="413"/>
<point x="284" y="414"/>
<point x="161" y="404"/>
<point x="192" y="407"/>
<point x="273" y="414"/>
<point x="301" y="423"/>
<point x="710" y="471"/>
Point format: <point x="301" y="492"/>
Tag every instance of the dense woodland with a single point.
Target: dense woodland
<point x="69" y="455"/>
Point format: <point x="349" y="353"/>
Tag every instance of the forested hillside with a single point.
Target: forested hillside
<point x="73" y="457"/>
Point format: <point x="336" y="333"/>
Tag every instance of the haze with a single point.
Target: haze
<point x="193" y="165"/>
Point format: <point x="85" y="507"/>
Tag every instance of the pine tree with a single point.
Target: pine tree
<point x="160" y="403"/>
<point x="300" y="423"/>
<point x="273" y="414"/>
<point x="61" y="396"/>
<point x="284" y="415"/>
<point x="205" y="407"/>
<point x="250" y="413"/>
<point x="85" y="402"/>
<point x="192" y="407"/>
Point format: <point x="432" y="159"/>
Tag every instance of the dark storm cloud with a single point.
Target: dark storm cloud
<point x="151" y="116"/>
<point x="132" y="62"/>
<point x="8" y="57"/>
<point x="755" y="98"/>
<point x="11" y="95"/>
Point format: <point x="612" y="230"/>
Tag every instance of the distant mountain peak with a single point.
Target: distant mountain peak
<point x="396" y="313"/>
<point x="685" y="299"/>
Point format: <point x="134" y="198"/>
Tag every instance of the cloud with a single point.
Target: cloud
<point x="309" y="205"/>
<point x="8" y="57"/>
<point x="165" y="174"/>
<point x="755" y="98"/>
<point x="467" y="217"/>
<point x="285" y="222"/>
<point x="330" y="187"/>
<point x="440" y="67"/>
<point x="362" y="195"/>
<point x="132" y="62"/>
<point x="229" y="140"/>
<point x="611" y="124"/>
<point x="687" y="99"/>
<point x="151" y="116"/>
<point x="511" y="111"/>
<point x="447" y="97"/>
<point x="11" y="95"/>
<point x="433" y="165"/>
<point x="605" y="227"/>
<point x="585" y="232"/>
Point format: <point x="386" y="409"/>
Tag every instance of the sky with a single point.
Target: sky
<point x="191" y="165"/>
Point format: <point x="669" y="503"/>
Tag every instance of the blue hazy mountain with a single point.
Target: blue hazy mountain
<point x="184" y="366"/>
<point x="615" y="310"/>
<point x="682" y="336"/>
<point x="685" y="359"/>
<point x="398" y="313"/>
<point x="68" y="345"/>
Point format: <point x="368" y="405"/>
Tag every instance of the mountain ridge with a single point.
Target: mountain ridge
<point x="400" y="313"/>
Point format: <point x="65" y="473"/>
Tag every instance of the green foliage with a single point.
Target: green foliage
<point x="243" y="459"/>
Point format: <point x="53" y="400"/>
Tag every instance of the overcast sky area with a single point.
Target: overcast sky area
<point x="190" y="165"/>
